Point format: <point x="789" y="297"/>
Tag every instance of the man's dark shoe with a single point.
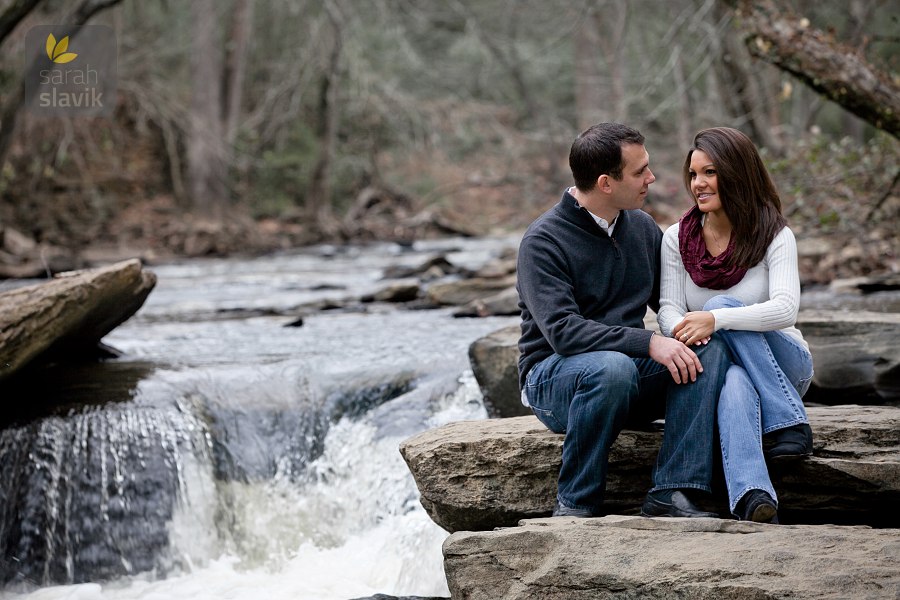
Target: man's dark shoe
<point x="564" y="511"/>
<point x="679" y="505"/>
<point x="757" y="506"/>
<point x="789" y="443"/>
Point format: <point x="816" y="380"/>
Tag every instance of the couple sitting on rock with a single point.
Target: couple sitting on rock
<point x="725" y="285"/>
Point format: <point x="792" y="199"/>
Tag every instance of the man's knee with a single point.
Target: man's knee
<point x="610" y="377"/>
<point x="722" y="301"/>
<point x="613" y="368"/>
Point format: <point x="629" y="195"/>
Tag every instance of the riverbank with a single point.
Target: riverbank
<point x="842" y="200"/>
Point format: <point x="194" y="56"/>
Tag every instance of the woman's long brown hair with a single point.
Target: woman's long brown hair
<point x="748" y="195"/>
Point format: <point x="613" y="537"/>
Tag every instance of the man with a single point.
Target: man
<point x="588" y="269"/>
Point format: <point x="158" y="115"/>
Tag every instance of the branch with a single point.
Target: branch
<point x="13" y="14"/>
<point x="833" y="70"/>
<point x="88" y="9"/>
<point x="890" y="192"/>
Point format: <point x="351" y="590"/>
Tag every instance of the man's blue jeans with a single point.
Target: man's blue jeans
<point x="591" y="396"/>
<point x="762" y="393"/>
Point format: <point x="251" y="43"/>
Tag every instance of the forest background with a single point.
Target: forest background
<point x="259" y="125"/>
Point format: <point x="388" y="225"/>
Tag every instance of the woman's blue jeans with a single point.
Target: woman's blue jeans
<point x="590" y="397"/>
<point x="762" y="393"/>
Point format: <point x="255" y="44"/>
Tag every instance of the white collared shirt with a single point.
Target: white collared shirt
<point x="604" y="225"/>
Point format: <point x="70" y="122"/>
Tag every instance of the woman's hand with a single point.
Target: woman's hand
<point x="696" y="328"/>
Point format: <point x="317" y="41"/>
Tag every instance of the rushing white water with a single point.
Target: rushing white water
<point x="356" y="531"/>
<point x="309" y="504"/>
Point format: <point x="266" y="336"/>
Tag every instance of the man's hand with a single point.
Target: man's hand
<point x="681" y="361"/>
<point x="695" y="328"/>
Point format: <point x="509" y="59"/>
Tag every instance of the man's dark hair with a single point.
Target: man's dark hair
<point x="598" y="150"/>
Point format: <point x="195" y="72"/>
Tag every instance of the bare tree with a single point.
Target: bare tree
<point x="600" y="41"/>
<point x="318" y="194"/>
<point x="236" y="65"/>
<point x="205" y="140"/>
<point x="589" y="98"/>
<point x="740" y="88"/>
<point x="504" y="51"/>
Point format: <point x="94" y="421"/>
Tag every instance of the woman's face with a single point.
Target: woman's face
<point x="704" y="185"/>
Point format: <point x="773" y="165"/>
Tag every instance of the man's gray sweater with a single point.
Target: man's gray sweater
<point x="581" y="290"/>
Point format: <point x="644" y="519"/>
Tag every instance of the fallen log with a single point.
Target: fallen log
<point x="69" y="314"/>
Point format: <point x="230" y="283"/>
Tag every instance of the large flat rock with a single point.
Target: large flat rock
<point x="697" y="559"/>
<point x="477" y="475"/>
<point x="68" y="314"/>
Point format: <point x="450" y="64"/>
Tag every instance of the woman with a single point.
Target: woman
<point x="729" y="266"/>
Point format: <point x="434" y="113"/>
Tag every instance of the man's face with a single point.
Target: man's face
<point x="631" y="191"/>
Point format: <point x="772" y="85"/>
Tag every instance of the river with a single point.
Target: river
<point x="229" y="455"/>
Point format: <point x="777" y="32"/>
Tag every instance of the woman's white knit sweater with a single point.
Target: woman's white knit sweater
<point x="770" y="290"/>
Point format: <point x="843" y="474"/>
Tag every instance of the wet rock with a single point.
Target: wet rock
<point x="882" y="283"/>
<point x="856" y="356"/>
<point x="17" y="243"/>
<point x="499" y="267"/>
<point x="460" y="292"/>
<point x="494" y="359"/>
<point x="634" y="557"/>
<point x="397" y="292"/>
<point x="437" y="266"/>
<point x="477" y="475"/>
<point x="68" y="315"/>
<point x="23" y="258"/>
<point x="500" y="304"/>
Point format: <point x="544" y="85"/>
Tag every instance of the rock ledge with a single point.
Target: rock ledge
<point x="705" y="559"/>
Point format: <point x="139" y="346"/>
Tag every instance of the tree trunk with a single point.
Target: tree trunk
<point x="318" y="195"/>
<point x="205" y="142"/>
<point x="612" y="21"/>
<point x="685" y="105"/>
<point x="837" y="72"/>
<point x="738" y="89"/>
<point x="235" y="65"/>
<point x="504" y="52"/>
<point x="589" y="100"/>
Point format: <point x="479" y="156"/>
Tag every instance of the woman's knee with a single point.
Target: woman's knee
<point x="722" y="301"/>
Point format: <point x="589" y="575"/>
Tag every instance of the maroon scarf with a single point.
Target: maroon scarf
<point x="706" y="270"/>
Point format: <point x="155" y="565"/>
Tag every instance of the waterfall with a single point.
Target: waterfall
<point x="234" y="457"/>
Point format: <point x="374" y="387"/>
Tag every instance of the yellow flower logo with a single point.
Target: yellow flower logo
<point x="56" y="51"/>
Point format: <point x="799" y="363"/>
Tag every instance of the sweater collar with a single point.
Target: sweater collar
<point x="583" y="218"/>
